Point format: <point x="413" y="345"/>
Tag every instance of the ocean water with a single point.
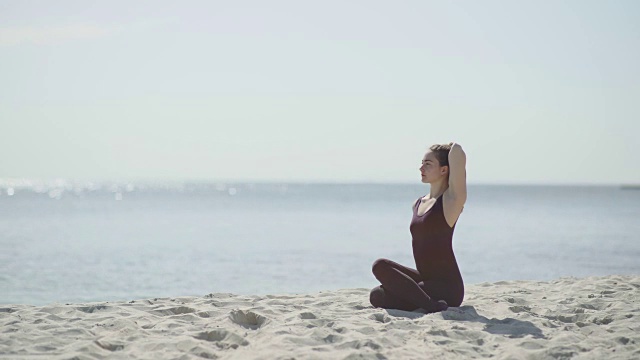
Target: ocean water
<point x="76" y="242"/>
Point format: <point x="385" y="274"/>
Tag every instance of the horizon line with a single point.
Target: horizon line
<point x="17" y="181"/>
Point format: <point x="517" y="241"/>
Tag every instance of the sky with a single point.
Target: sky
<point x="536" y="92"/>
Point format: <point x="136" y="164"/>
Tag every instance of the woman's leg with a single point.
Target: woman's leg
<point x="401" y="283"/>
<point x="381" y="298"/>
<point x="451" y="293"/>
<point x="412" y="273"/>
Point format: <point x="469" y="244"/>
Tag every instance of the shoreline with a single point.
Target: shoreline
<point x="592" y="317"/>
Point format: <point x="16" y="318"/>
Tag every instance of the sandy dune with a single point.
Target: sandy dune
<point x="585" y="318"/>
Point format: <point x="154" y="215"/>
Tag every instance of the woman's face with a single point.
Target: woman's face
<point x="431" y="169"/>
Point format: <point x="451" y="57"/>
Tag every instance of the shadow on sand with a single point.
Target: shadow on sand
<point x="509" y="327"/>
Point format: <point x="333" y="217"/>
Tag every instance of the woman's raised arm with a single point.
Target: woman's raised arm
<point x="458" y="173"/>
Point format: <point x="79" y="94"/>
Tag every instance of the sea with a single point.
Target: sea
<point x="66" y="242"/>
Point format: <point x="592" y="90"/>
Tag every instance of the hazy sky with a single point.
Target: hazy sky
<point x="535" y="91"/>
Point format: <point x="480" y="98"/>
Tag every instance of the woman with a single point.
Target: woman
<point x="437" y="283"/>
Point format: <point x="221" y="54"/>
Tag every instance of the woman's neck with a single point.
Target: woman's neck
<point x="438" y="189"/>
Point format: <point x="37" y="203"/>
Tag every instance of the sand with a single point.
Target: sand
<point x="578" y="318"/>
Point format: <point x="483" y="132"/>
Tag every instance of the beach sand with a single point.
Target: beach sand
<point x="578" y="318"/>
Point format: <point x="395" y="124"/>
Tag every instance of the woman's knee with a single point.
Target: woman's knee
<point x="379" y="265"/>
<point x="377" y="297"/>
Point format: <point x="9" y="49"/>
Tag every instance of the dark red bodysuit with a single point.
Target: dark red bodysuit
<point x="437" y="276"/>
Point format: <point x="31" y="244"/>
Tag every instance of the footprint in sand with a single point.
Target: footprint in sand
<point x="247" y="319"/>
<point x="223" y="339"/>
<point x="109" y="345"/>
<point x="308" y="315"/>
<point x="359" y="344"/>
<point x="380" y="317"/>
<point x="179" y="310"/>
<point x="462" y="313"/>
<point x="313" y="320"/>
<point x="92" y="309"/>
<point x="518" y="309"/>
<point x="607" y="319"/>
